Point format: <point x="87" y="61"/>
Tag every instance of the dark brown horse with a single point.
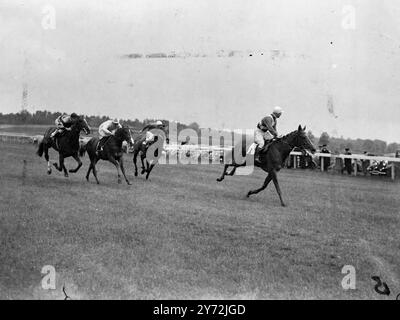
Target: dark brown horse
<point x="67" y="145"/>
<point x="272" y="160"/>
<point x="155" y="147"/>
<point x="112" y="151"/>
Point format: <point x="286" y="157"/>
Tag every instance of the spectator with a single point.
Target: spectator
<point x="365" y="164"/>
<point x="327" y="160"/>
<point x="347" y="162"/>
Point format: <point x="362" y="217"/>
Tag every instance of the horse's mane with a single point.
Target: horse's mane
<point x="287" y="136"/>
<point x="120" y="131"/>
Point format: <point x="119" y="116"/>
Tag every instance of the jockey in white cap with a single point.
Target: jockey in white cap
<point x="149" y="135"/>
<point x="106" y="130"/>
<point x="266" y="128"/>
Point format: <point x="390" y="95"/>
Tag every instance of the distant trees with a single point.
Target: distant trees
<point x="48" y="117"/>
<point x="324" y="139"/>
<point x="311" y="136"/>
<point x="392" y="147"/>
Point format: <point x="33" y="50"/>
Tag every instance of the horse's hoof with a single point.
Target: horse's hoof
<point x="219" y="179"/>
<point x="128" y="182"/>
<point x="65" y="175"/>
<point x="136" y="174"/>
<point x="283" y="205"/>
<point x="48" y="171"/>
<point x="248" y="194"/>
<point x="87" y="179"/>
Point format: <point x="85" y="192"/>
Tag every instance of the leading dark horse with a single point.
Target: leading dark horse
<point x="67" y="145"/>
<point x="112" y="151"/>
<point x="272" y="160"/>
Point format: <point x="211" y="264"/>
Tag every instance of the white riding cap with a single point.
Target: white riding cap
<point x="278" y="110"/>
<point x="116" y="120"/>
<point x="159" y="123"/>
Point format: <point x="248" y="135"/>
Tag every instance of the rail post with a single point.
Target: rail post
<point x="393" y="171"/>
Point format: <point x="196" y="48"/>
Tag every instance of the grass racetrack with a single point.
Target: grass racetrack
<point x="183" y="235"/>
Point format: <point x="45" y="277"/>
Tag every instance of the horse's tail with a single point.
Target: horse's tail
<point x="82" y="149"/>
<point x="40" y="150"/>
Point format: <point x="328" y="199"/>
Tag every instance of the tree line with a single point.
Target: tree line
<point x="48" y="118"/>
<point x="338" y="145"/>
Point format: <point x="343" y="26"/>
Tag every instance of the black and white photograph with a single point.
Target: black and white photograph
<point x="221" y="151"/>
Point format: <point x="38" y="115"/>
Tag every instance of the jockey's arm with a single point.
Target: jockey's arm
<point x="267" y="123"/>
<point x="104" y="131"/>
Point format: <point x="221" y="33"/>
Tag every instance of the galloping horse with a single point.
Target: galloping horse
<point x="139" y="147"/>
<point x="112" y="151"/>
<point x="272" y="160"/>
<point x="67" y="145"/>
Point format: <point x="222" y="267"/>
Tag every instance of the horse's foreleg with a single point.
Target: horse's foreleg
<point x="224" y="172"/>
<point x="46" y="156"/>
<point x="121" y="164"/>
<point x="77" y="159"/>
<point x="62" y="166"/>
<point x="88" y="172"/>
<point x="116" y="164"/>
<point x="265" y="184"/>
<point x="278" y="189"/>
<point x="93" y="164"/>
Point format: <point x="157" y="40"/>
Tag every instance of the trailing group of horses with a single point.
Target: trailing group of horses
<point x="68" y="145"/>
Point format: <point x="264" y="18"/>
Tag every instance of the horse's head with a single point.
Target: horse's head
<point x="124" y="134"/>
<point x="81" y="124"/>
<point x="302" y="141"/>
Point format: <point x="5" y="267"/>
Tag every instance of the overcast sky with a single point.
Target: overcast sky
<point x="306" y="58"/>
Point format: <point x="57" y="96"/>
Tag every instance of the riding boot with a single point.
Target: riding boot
<point x="257" y="154"/>
<point x="99" y="147"/>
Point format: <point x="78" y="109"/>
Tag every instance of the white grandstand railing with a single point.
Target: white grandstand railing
<point x="391" y="160"/>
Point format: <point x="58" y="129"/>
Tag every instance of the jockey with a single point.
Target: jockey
<point x="149" y="135"/>
<point x="106" y="130"/>
<point x="64" y="123"/>
<point x="266" y="129"/>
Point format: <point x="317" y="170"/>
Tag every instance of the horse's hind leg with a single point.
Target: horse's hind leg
<point x="224" y="172"/>
<point x="142" y="160"/>
<point x="77" y="159"/>
<point x="265" y="184"/>
<point x="278" y="189"/>
<point x="135" y="163"/>
<point x="149" y="170"/>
